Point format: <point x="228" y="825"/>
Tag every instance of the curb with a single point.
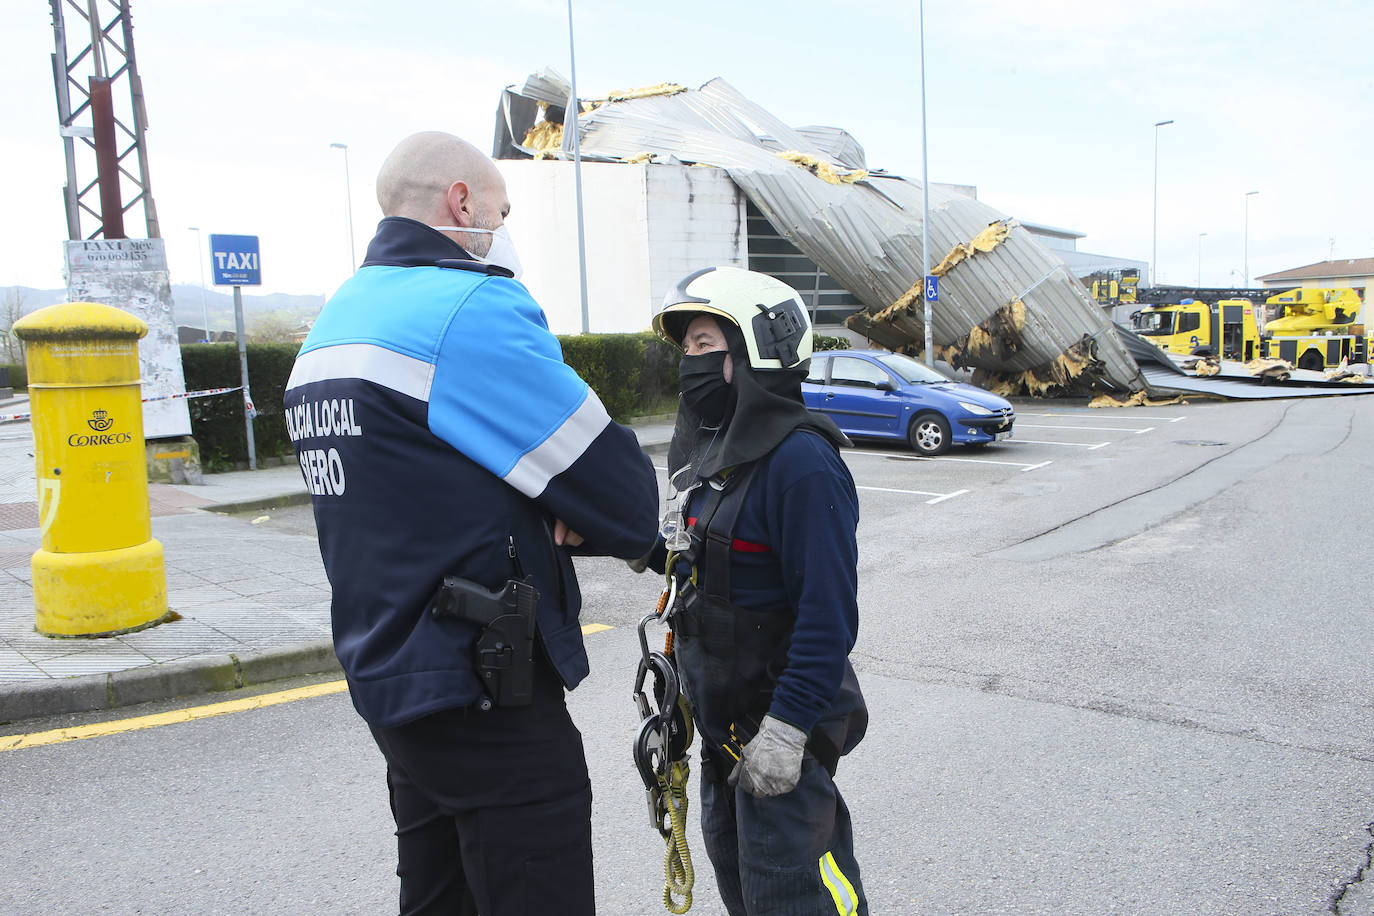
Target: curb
<point x="163" y="681"/>
<point x="266" y="502"/>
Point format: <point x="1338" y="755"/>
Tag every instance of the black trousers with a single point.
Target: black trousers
<point x="789" y="855"/>
<point x="492" y="809"/>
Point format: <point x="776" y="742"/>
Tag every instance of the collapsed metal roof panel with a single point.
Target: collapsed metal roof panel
<point x="1008" y="305"/>
<point x="1163" y="375"/>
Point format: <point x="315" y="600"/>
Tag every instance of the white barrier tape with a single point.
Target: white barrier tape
<point x="205" y="393"/>
<point x="192" y="394"/>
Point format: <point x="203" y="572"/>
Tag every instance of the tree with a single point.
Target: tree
<point x="11" y="310"/>
<point x="273" y="329"/>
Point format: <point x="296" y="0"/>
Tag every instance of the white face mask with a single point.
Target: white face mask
<point x="502" y="252"/>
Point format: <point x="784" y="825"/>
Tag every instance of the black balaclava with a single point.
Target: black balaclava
<point x="763" y="407"/>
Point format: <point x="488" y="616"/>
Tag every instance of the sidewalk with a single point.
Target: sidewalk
<point x="254" y="603"/>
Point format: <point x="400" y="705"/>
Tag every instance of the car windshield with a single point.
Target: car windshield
<point x="910" y="371"/>
<point x="1153" y="323"/>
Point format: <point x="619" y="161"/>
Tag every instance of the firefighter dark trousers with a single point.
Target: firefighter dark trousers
<point x="790" y="855"/>
<point x="492" y="809"/>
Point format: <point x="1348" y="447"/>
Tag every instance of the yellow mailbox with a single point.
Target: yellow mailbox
<point x="99" y="572"/>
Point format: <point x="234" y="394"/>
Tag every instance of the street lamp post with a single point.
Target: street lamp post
<point x="927" y="315"/>
<point x="570" y="121"/>
<point x="1248" y="195"/>
<point x="1200" y="237"/>
<point x="204" y="309"/>
<point x="1154" y="249"/>
<point x="348" y="206"/>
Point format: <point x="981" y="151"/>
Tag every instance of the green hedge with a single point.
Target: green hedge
<point x="217" y="421"/>
<point x="633" y="374"/>
<point x="19" y="375"/>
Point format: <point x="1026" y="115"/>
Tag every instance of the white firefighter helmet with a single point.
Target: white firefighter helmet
<point x="768" y="313"/>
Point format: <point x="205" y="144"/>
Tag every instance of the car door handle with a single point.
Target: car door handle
<point x="829" y="395"/>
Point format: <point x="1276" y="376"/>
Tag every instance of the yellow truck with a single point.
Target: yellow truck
<point x="1192" y="327"/>
<point x="1319" y="329"/>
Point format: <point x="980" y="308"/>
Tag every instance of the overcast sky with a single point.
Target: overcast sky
<point x="1047" y="107"/>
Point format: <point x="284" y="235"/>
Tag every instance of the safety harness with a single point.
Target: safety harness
<point x="660" y="753"/>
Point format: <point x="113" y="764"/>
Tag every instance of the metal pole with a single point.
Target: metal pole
<point x="1248" y="195"/>
<point x="204" y="307"/>
<point x="927" y="316"/>
<point x="1200" y="237"/>
<point x="1154" y="247"/>
<point x="243" y="375"/>
<point x="570" y="120"/>
<point x="348" y="207"/>
<point x="64" y="119"/>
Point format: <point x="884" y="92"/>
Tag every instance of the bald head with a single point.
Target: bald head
<point x="438" y="179"/>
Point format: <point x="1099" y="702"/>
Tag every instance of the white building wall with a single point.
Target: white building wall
<point x="646" y="227"/>
<point x="696" y="219"/>
<point x="543" y="226"/>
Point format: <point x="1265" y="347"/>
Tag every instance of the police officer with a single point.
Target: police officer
<point x="766" y="612"/>
<point x="454" y="462"/>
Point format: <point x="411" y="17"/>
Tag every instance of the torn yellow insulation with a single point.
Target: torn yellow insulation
<point x="1136" y="400"/>
<point x="641" y="157"/>
<point x="625" y="95"/>
<point x="1207" y="368"/>
<point x="1277" y="369"/>
<point x="907" y="299"/>
<point x="1343" y="374"/>
<point x="544" y="138"/>
<point x="994" y="235"/>
<point x="822" y="169"/>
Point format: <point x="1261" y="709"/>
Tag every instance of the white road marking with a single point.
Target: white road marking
<point x="1068" y="416"/>
<point x="1104" y="429"/>
<point x="938" y="497"/>
<point x="1086" y="445"/>
<point x="1014" y="464"/>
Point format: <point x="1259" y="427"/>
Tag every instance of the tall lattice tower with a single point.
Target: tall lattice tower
<point x="101" y="118"/>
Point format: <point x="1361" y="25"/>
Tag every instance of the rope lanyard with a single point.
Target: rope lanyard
<point x="660" y="752"/>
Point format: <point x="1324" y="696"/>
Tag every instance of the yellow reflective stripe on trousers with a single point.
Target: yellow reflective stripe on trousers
<point x="841" y="891"/>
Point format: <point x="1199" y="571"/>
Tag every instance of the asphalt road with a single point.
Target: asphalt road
<point x="1120" y="664"/>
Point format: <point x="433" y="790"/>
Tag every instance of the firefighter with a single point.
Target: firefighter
<point x="767" y="610"/>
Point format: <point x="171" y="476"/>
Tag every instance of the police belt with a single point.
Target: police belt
<point x="504" y="653"/>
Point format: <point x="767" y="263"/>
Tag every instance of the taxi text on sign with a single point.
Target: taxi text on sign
<point x="235" y="261"/>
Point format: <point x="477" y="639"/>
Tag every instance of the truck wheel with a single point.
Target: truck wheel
<point x="929" y="434"/>
<point x="1312" y="360"/>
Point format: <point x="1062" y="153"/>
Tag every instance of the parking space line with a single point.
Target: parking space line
<point x="1103" y="429"/>
<point x="1013" y="464"/>
<point x="1034" y="466"/>
<point x="1068" y="416"/>
<point x="1086" y="445"/>
<point x="939" y="497"/>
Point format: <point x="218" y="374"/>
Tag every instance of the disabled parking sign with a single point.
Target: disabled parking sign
<point x="932" y="289"/>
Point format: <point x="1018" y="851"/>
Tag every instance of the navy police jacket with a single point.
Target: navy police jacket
<point x="440" y="433"/>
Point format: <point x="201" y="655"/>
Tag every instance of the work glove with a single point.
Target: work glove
<point x="770" y="764"/>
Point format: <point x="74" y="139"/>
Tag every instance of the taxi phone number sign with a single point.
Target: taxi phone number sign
<point x="235" y="261"/>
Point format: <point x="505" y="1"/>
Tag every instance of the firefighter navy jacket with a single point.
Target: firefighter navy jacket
<point x="440" y="432"/>
<point x="795" y="553"/>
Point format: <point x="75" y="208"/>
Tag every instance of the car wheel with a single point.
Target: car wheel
<point x="929" y="434"/>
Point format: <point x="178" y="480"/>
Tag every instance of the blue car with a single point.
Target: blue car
<point x="874" y="394"/>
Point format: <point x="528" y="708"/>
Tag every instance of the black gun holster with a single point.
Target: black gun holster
<point x="505" y="647"/>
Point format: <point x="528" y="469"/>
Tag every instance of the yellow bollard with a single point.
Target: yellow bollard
<point x="99" y="572"/>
